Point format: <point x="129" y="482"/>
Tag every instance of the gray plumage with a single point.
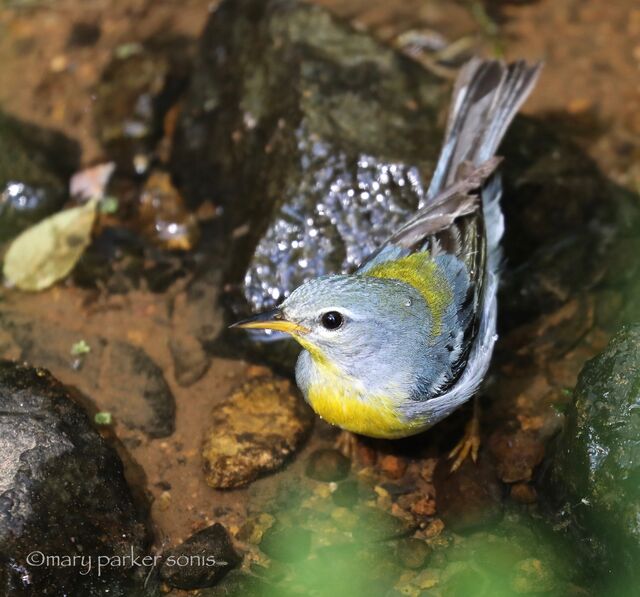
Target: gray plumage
<point x="393" y="342"/>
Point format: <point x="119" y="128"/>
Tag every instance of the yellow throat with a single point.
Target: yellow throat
<point x="339" y="399"/>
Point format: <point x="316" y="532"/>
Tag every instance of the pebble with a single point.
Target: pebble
<point x="393" y="466"/>
<point x="200" y="561"/>
<point x="412" y="553"/>
<point x="328" y="465"/>
<point x="524" y="493"/>
<point x="286" y="543"/>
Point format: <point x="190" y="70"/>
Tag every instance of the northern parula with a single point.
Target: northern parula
<point x="401" y="343"/>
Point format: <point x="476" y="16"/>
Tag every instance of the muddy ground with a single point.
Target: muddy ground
<point x="52" y="55"/>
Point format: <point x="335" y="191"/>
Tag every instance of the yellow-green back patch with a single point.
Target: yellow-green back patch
<point x="422" y="272"/>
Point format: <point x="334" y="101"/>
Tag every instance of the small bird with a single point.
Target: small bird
<point x="406" y="339"/>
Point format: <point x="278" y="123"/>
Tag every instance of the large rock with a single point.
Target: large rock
<point x="595" y="471"/>
<point x="35" y="165"/>
<point x="62" y="493"/>
<point x="312" y="135"/>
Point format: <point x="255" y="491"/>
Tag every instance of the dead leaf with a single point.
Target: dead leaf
<point x="48" y="251"/>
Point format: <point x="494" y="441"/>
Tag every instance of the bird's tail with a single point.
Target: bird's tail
<point x="486" y="97"/>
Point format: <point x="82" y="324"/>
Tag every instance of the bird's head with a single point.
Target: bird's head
<point x="349" y="320"/>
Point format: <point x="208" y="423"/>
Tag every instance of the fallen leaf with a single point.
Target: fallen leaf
<point x="48" y="251"/>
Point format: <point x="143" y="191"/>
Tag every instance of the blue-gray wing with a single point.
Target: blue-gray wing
<point x="461" y="217"/>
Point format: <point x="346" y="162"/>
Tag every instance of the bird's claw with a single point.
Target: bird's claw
<point x="468" y="445"/>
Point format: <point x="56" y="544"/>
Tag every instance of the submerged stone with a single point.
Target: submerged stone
<point x="121" y="378"/>
<point x="595" y="469"/>
<point x="35" y="165"/>
<point x="62" y="493"/>
<point x="200" y="561"/>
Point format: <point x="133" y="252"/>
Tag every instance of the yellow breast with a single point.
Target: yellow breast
<point x="340" y="403"/>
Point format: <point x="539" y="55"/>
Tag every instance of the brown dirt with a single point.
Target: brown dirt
<point x="591" y="86"/>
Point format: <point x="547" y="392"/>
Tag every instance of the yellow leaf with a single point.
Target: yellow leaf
<point x="48" y="251"/>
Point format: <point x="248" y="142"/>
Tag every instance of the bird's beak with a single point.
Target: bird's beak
<point x="271" y="320"/>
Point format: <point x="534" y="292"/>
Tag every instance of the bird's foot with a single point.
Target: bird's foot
<point x="347" y="444"/>
<point x="469" y="445"/>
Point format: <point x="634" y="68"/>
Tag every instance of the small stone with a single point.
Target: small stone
<point x="533" y="576"/>
<point x="434" y="529"/>
<point x="524" y="493"/>
<point x="328" y="465"/>
<point x="346" y="494"/>
<point x="286" y="543"/>
<point x="393" y="466"/>
<point x="253" y="530"/>
<point x="469" y="498"/>
<point x="190" y="361"/>
<point x="517" y="453"/>
<point x="424" y="507"/>
<point x="254" y="432"/>
<point x="164" y="501"/>
<point x="579" y="105"/>
<point x="427" y="469"/>
<point x="427" y="579"/>
<point x="412" y="553"/>
<point x="344" y="519"/>
<point x="378" y="525"/>
<point x="163" y="217"/>
<point x="366" y="455"/>
<point x="200" y="561"/>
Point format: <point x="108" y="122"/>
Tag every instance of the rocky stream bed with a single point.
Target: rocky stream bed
<point x="153" y="451"/>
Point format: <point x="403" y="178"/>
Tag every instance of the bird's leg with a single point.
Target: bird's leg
<point x="347" y="444"/>
<point x="470" y="442"/>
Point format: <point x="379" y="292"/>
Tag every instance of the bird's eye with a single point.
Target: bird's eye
<point x="332" y="320"/>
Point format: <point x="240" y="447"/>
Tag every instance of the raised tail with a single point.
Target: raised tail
<point x="486" y="97"/>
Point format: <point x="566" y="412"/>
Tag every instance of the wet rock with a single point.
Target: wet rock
<point x="560" y="212"/>
<point x="350" y="492"/>
<point x="200" y="561"/>
<point x="190" y="361"/>
<point x="35" y="165"/>
<point x="328" y="465"/>
<point x="593" y="470"/>
<point x="524" y="493"/>
<point x="518" y="454"/>
<point x="125" y="115"/>
<point x="121" y="378"/>
<point x="533" y="576"/>
<point x="254" y="432"/>
<point x="136" y="89"/>
<point x="393" y="466"/>
<point x="412" y="553"/>
<point x="62" y="492"/>
<point x="377" y="525"/>
<point x="163" y="217"/>
<point x="349" y="133"/>
<point x="471" y="497"/>
<point x="286" y="543"/>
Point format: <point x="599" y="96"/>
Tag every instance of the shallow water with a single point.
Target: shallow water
<point x="487" y="530"/>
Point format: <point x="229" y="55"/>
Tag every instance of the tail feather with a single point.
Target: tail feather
<point x="486" y="97"/>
